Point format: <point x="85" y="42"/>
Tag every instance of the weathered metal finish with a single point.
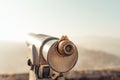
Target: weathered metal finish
<point x="39" y="40"/>
<point x="33" y="55"/>
<point x="49" y="57"/>
<point x="58" y="62"/>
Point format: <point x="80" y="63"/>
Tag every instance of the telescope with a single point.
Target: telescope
<point x="49" y="58"/>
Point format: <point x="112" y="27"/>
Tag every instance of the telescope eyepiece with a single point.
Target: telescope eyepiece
<point x="65" y="47"/>
<point x="68" y="49"/>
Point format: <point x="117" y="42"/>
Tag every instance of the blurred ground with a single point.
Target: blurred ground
<point x="23" y="76"/>
<point x="74" y="75"/>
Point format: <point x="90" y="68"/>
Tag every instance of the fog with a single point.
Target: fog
<point x="93" y="53"/>
<point x="94" y="26"/>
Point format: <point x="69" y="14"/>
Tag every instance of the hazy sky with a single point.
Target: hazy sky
<point x="58" y="17"/>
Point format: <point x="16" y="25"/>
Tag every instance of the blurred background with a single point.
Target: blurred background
<point x="93" y="25"/>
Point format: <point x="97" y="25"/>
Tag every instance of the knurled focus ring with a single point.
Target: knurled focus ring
<point x="66" y="47"/>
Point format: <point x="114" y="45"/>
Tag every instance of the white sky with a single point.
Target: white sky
<point x="58" y="17"/>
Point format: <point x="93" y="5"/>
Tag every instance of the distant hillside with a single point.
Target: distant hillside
<point x="13" y="56"/>
<point x="92" y="59"/>
<point x="110" y="45"/>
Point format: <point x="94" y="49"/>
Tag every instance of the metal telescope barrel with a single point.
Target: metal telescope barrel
<point x="60" y="54"/>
